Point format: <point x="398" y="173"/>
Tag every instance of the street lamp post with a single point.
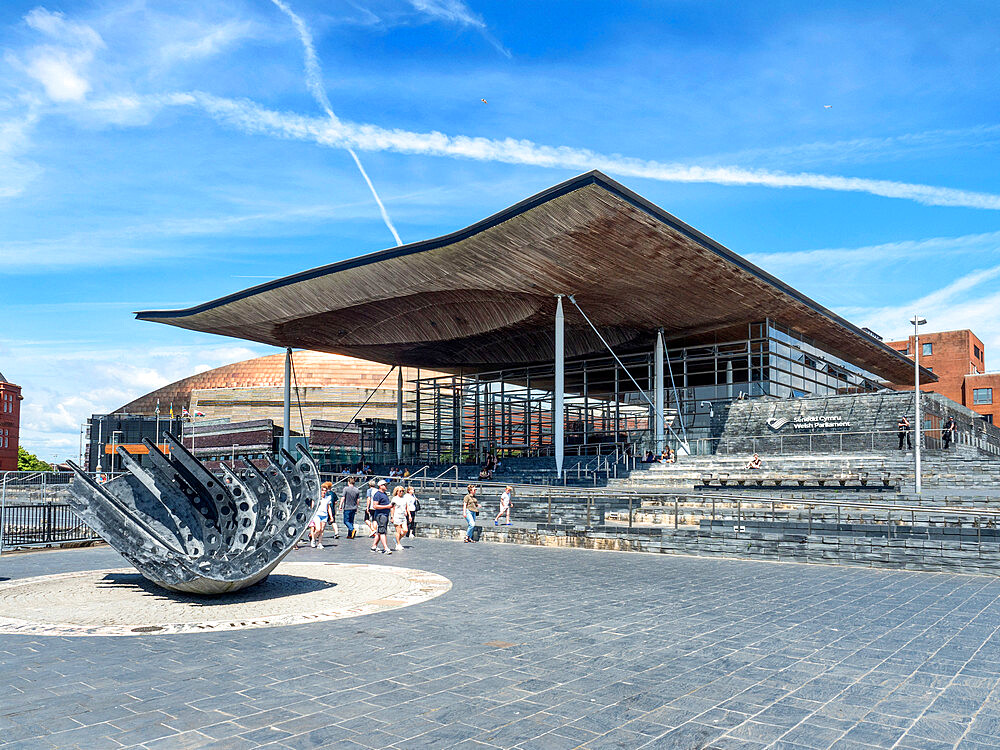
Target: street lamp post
<point x="115" y="440"/>
<point x="917" y="423"/>
<point x="100" y="445"/>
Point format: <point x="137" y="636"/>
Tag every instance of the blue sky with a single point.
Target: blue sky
<point x="156" y="154"/>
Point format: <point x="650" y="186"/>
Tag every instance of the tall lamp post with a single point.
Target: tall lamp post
<point x="115" y="441"/>
<point x="917" y="423"/>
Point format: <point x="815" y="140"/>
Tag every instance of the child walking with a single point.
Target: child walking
<point x="504" y="506"/>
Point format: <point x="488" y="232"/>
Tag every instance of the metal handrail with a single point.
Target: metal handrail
<point x="938" y="509"/>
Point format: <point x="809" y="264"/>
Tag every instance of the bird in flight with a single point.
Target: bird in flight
<point x="484" y="101"/>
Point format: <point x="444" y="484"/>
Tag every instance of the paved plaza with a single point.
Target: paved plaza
<point x="539" y="648"/>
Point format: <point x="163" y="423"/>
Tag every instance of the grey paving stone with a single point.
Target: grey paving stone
<point x="617" y="650"/>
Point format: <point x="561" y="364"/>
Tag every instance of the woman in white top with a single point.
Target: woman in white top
<point x="321" y="515"/>
<point x="399" y="514"/>
<point x="411" y="509"/>
<point x="504" y="506"/>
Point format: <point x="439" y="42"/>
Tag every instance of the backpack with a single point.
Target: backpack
<point x="416" y="505"/>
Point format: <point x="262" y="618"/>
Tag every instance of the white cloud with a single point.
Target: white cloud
<point x="60" y="64"/>
<point x="971" y="301"/>
<point x="842" y="259"/>
<point x="57" y="27"/>
<point x="207" y="42"/>
<point x="859" y="150"/>
<point x="123" y="245"/>
<point x="57" y="72"/>
<point x="55" y="406"/>
<point x="455" y="11"/>
<point x="252" y="118"/>
<point x="16" y="172"/>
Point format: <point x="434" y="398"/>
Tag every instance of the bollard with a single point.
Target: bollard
<point x="630" y="513"/>
<point x="550" y="506"/>
<point x="676" y="508"/>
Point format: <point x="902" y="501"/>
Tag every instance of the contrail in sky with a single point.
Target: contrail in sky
<point x="250" y="117"/>
<point x="314" y="81"/>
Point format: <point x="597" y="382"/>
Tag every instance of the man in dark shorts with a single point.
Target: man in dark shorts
<point x="903" y="430"/>
<point x="948" y="433"/>
<point x="380" y="508"/>
<point x="349" y="504"/>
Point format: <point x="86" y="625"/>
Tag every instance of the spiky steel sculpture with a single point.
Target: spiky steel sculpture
<point x="185" y="529"/>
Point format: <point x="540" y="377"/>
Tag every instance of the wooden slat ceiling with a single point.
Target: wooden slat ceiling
<point x="484" y="297"/>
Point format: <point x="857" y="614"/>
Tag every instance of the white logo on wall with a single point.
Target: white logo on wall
<point x="808" y="423"/>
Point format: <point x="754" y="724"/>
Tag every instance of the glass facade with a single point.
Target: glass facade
<point x="609" y="402"/>
<point x="106" y="431"/>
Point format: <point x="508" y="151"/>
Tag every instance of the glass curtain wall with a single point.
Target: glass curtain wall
<point x="459" y="419"/>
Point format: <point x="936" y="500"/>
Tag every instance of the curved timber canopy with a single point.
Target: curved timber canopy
<point x="483" y="297"/>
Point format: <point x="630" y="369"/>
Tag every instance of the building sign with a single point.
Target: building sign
<point x="808" y="423"/>
<point x="136" y="449"/>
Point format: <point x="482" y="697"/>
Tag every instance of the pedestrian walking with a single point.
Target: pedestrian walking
<point x="903" y="431"/>
<point x="369" y="513"/>
<point x="321" y="514"/>
<point x="412" y="506"/>
<point x="504" y="506"/>
<point x="349" y="506"/>
<point x="331" y="500"/>
<point x="399" y="514"/>
<point x="381" y="505"/>
<point x="949" y="432"/>
<point x="470" y="509"/>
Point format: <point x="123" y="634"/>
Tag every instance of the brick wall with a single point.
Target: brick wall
<point x="10" y="424"/>
<point x="991" y="381"/>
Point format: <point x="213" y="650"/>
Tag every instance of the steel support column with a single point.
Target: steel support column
<point x="399" y="414"/>
<point x="286" y="435"/>
<point x="558" y="423"/>
<point x="658" y="391"/>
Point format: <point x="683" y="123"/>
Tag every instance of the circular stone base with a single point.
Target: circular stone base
<point x="122" y="602"/>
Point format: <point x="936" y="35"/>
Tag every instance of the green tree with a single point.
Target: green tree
<point x="29" y="461"/>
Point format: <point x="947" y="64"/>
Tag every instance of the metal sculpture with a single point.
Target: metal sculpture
<point x="188" y="530"/>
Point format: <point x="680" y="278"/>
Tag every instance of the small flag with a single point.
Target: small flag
<point x="157" y="407"/>
<point x="199" y="414"/>
<point x="185" y="413"/>
<point x="171" y="409"/>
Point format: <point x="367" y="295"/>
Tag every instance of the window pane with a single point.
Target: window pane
<point x="927" y="349"/>
<point x="982" y="395"/>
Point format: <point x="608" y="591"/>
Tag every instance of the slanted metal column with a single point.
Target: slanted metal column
<point x="658" y="390"/>
<point x="558" y="422"/>
<point x="399" y="414"/>
<point x="286" y="437"/>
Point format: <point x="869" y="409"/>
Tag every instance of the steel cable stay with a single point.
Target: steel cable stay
<point x="622" y="364"/>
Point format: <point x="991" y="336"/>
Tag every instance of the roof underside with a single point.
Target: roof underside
<point x="483" y="297"/>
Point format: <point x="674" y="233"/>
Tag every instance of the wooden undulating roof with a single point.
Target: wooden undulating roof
<point x="484" y="297"/>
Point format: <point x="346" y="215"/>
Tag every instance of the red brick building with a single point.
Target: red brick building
<point x="958" y="358"/>
<point x="10" y="423"/>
